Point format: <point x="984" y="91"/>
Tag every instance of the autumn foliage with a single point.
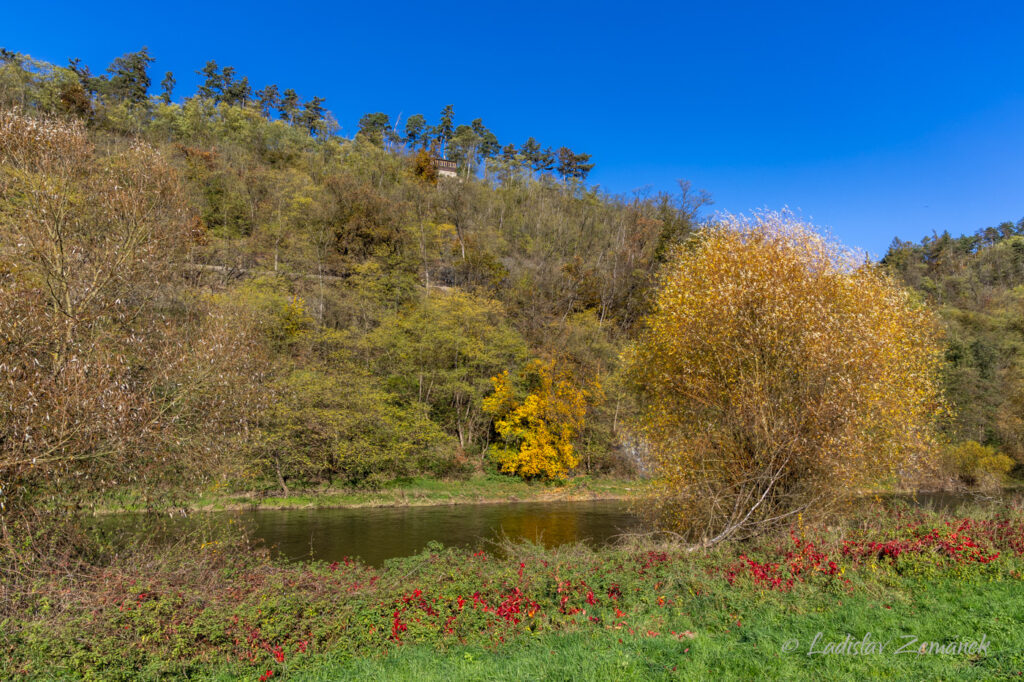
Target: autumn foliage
<point x="537" y="433"/>
<point x="779" y="373"/>
<point x="106" y="381"/>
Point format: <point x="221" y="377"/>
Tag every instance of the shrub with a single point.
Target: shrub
<point x="974" y="463"/>
<point x="779" y="373"/>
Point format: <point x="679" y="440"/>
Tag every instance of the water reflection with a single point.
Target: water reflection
<point x="375" y="535"/>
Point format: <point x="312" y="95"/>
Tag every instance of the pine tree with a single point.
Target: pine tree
<point x="213" y="84"/>
<point x="269" y="99"/>
<point x="566" y="163"/>
<point x="91" y="84"/>
<point x="375" y="127"/>
<point x="489" y="145"/>
<point x="509" y="153"/>
<point x="289" y="105"/>
<point x="445" y="130"/>
<point x="530" y="151"/>
<point x="416" y="131"/>
<point x="583" y="166"/>
<point x="545" y="161"/>
<point x="312" y="117"/>
<point x="129" y="80"/>
<point x="167" y="84"/>
<point x="238" y="91"/>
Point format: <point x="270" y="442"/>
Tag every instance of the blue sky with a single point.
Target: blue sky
<point x="874" y="119"/>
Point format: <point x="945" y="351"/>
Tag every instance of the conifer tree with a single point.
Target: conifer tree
<point x="129" y="80"/>
<point x="168" y="88"/>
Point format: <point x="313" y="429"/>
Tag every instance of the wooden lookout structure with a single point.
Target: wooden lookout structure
<point x="444" y="167"/>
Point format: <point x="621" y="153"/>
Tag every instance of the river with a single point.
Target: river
<point x="375" y="534"/>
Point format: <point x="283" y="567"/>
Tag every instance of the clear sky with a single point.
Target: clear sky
<point x="874" y="119"/>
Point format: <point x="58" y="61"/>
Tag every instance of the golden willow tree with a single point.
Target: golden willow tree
<point x="779" y="373"/>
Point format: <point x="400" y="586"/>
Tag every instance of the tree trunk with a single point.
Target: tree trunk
<point x="280" y="478"/>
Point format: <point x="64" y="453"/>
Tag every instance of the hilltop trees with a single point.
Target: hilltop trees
<point x="975" y="281"/>
<point x="778" y="374"/>
<point x="212" y="84"/>
<point x="167" y="87"/>
<point x="312" y="118"/>
<point x="489" y="145"/>
<point x="445" y="129"/>
<point x="417" y="133"/>
<point x="288" y="106"/>
<point x="269" y="99"/>
<point x="464" y="148"/>
<point x="573" y="166"/>
<point x="236" y="91"/>
<point x="376" y="128"/>
<point x="129" y="80"/>
<point x="475" y="148"/>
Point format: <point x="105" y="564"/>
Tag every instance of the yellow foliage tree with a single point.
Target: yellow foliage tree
<point x="779" y="373"/>
<point x="537" y="433"/>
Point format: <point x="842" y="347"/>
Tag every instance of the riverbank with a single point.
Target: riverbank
<point x="412" y="493"/>
<point x="214" y="609"/>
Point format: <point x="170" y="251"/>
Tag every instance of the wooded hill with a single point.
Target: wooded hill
<point x="977" y="284"/>
<point x="262" y="302"/>
<point x="221" y="290"/>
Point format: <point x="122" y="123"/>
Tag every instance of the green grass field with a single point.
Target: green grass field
<point x="928" y="611"/>
<point x="211" y="608"/>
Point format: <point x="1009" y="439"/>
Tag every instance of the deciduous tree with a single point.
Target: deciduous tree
<point x="779" y="373"/>
<point x="537" y="432"/>
<point x="441" y="355"/>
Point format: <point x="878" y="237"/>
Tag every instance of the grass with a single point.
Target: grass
<point x="216" y="610"/>
<point x="407" y="492"/>
<point x="940" y="612"/>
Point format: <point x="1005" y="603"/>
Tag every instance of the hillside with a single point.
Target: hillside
<point x="264" y="303"/>
<point x="221" y="291"/>
<point x="977" y="284"/>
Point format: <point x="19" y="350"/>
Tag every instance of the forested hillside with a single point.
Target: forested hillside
<point x="221" y="290"/>
<point x="977" y="283"/>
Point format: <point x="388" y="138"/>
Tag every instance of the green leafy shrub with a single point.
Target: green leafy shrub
<point x="334" y="422"/>
<point x="974" y="463"/>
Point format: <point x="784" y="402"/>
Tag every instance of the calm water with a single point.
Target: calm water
<point x="375" y="535"/>
<point x="378" y="534"/>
